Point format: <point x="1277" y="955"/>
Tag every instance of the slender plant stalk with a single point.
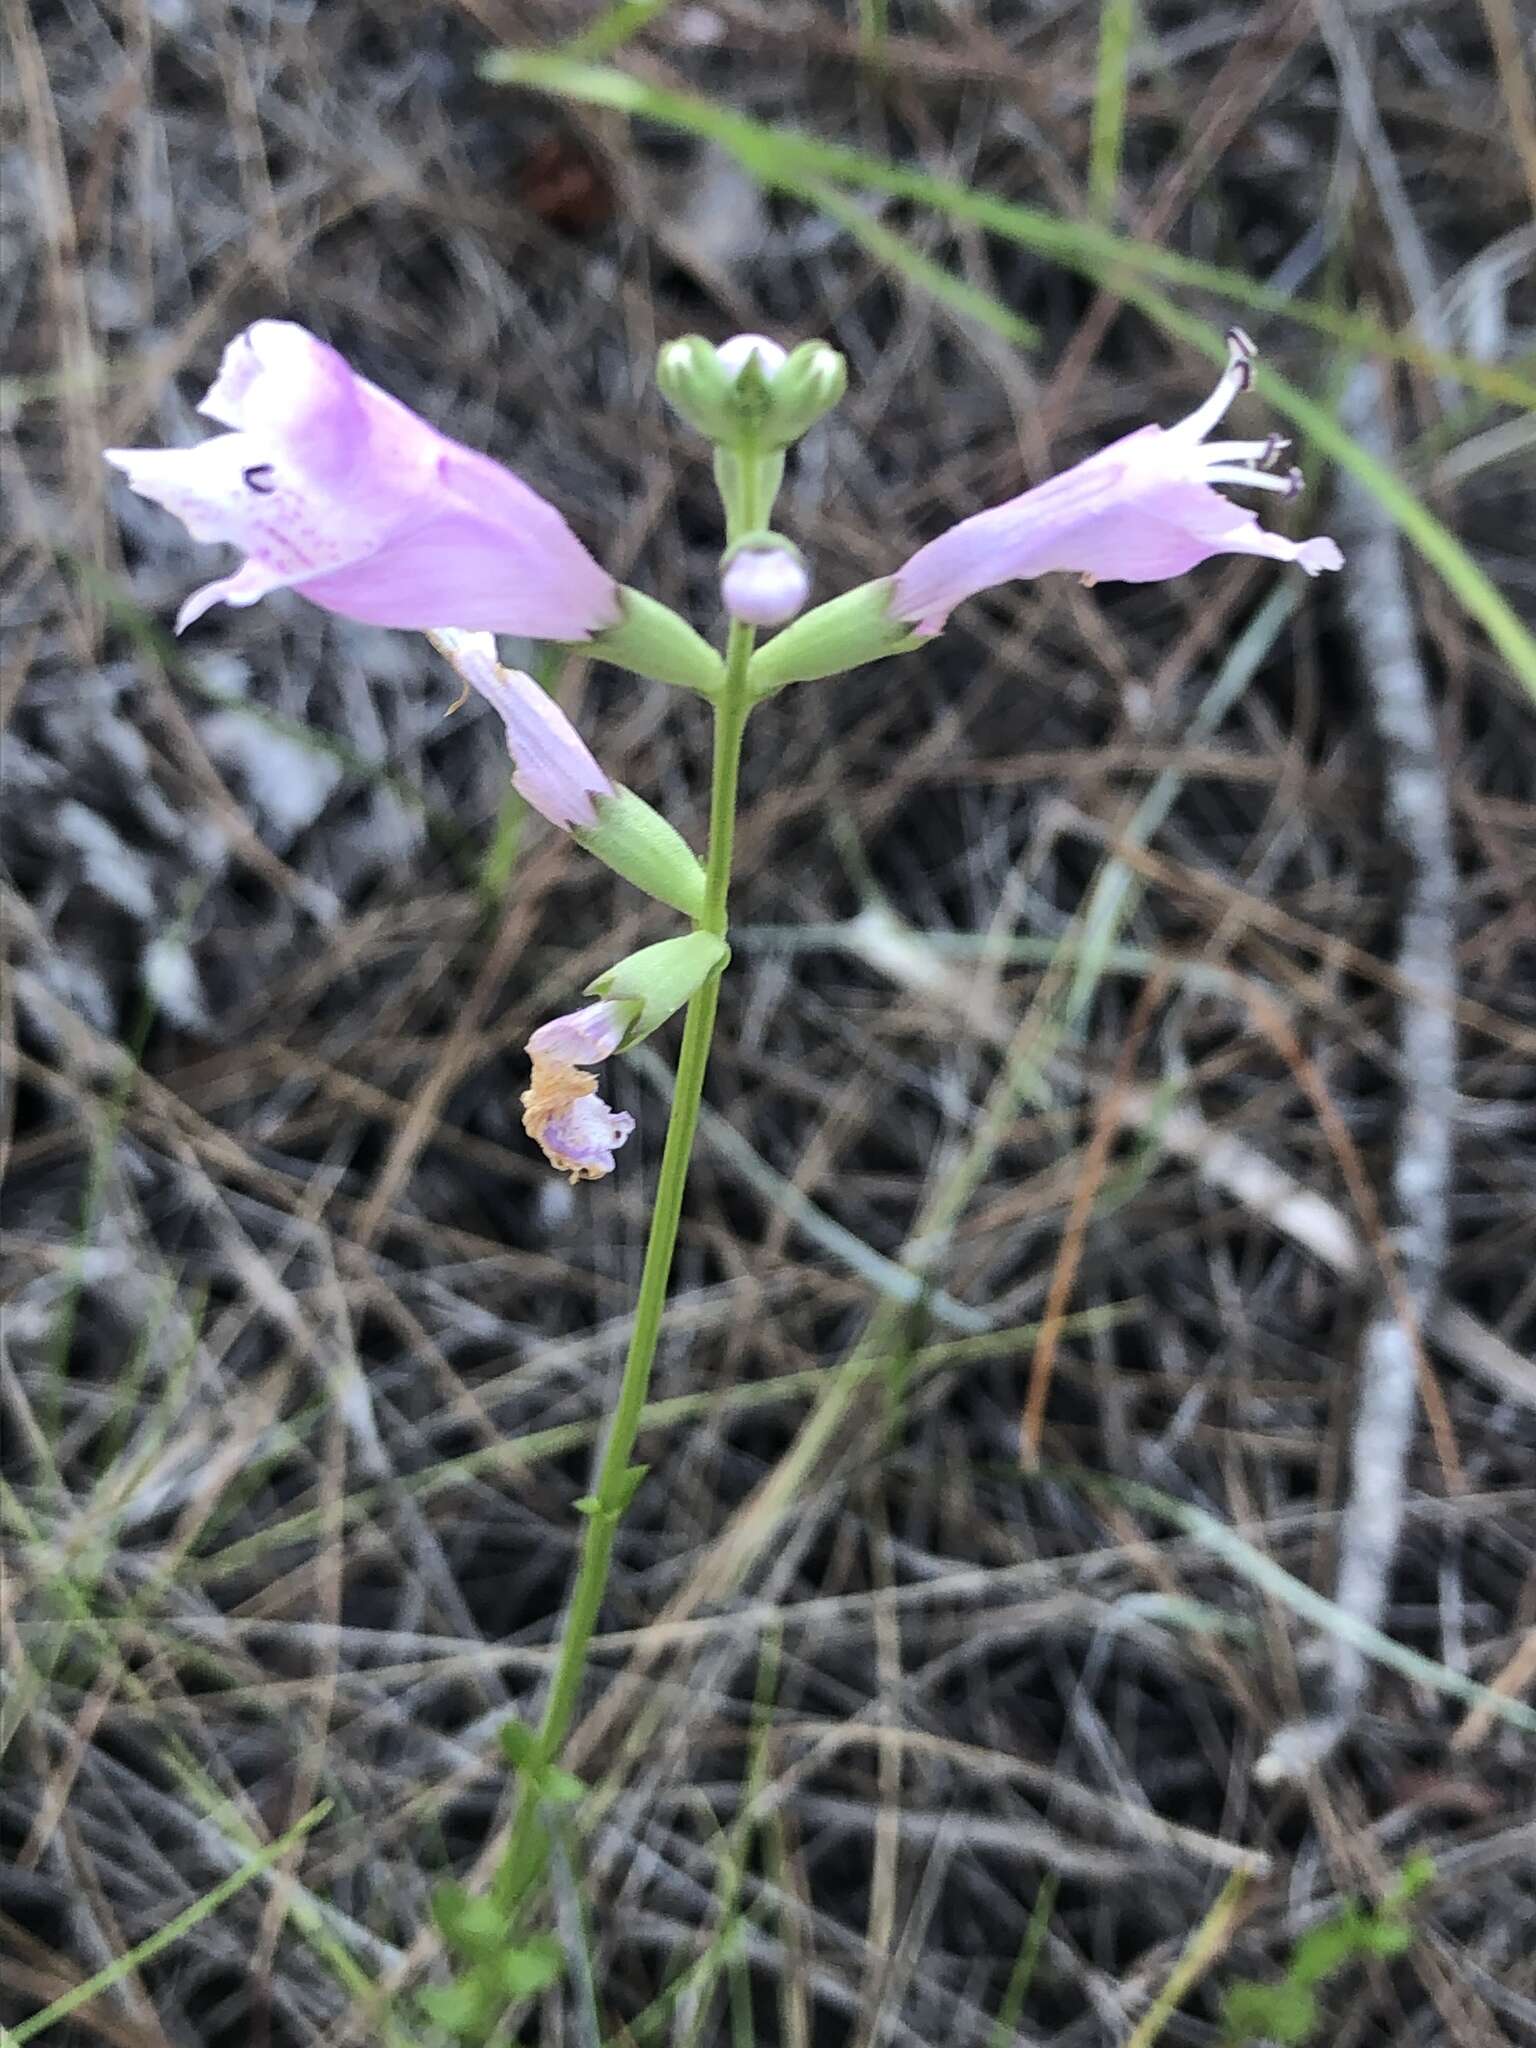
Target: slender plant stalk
<point x="617" y="1478"/>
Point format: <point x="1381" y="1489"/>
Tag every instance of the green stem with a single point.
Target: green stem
<point x="617" y="1478"/>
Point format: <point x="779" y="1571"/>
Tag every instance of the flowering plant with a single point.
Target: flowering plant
<point x="334" y="489"/>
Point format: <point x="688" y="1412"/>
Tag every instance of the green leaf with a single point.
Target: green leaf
<point x="1326" y="1949"/>
<point x="1416" y="1875"/>
<point x="520" y="1746"/>
<point x="472" y="1925"/>
<point x="562" y="1788"/>
<point x="529" y="1968"/>
<point x="465" y="2009"/>
<point x="634" y="1479"/>
<point x="1273" y="2012"/>
<point x="1386" y="1936"/>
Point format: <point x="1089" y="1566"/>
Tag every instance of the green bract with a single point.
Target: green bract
<point x="639" y="844"/>
<point x="850" y="630"/>
<point x="652" y="641"/>
<point x="660" y="979"/>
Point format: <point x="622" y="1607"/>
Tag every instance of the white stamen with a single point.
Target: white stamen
<point x="1235" y="378"/>
<point x="1255" y="479"/>
<point x="1244" y="451"/>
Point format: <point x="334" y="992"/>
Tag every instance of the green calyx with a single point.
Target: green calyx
<point x="659" y="979"/>
<point x="652" y="641"/>
<point x="842" y="634"/>
<point x="758" y="407"/>
<point x="638" y="843"/>
<point x="806" y="389"/>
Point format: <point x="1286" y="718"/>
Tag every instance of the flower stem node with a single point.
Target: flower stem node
<point x="652" y="641"/>
<point x="750" y="393"/>
<point x="639" y="844"/>
<point x="764" y="580"/>
<point x="654" y="983"/>
<point x="850" y="630"/>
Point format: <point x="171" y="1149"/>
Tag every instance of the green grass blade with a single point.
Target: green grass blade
<point x="172" y="1931"/>
<point x="897" y="253"/>
<point x="785" y="157"/>
<point x="1261" y="1570"/>
<point x="612" y="29"/>
<point x="1005" y="2026"/>
<point x="1117" y="26"/>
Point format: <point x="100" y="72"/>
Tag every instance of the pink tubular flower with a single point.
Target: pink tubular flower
<point x="562" y="1110"/>
<point x="552" y="766"/>
<point x="1141" y="509"/>
<point x="335" y="489"/>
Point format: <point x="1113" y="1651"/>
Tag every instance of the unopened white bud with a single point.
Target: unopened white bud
<point x="738" y="351"/>
<point x="764" y="586"/>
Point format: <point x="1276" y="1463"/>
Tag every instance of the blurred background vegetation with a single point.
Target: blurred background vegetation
<point x="1070" y="987"/>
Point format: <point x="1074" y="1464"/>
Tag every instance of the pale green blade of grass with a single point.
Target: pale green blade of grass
<point x="888" y="1277"/>
<point x="1019" y="951"/>
<point x="173" y="1930"/>
<point x="613" y="28"/>
<point x="874" y="27"/>
<point x="785" y="157"/>
<point x="1205" y="1946"/>
<point x="323" y="1926"/>
<point x="1263" y="1572"/>
<point x="736" y="1845"/>
<point x="499" y="862"/>
<point x="1028" y="1962"/>
<point x="969" y="301"/>
<point x="1117" y="27"/>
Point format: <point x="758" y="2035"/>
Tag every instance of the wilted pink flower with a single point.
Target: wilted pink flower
<point x="552" y="766"/>
<point x="562" y="1110"/>
<point x="764" y="586"/>
<point x="1141" y="509"/>
<point x="333" y="488"/>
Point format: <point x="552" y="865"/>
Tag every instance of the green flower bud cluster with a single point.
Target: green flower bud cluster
<point x="749" y="393"/>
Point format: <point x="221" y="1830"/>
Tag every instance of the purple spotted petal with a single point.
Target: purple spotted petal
<point x="331" y="487"/>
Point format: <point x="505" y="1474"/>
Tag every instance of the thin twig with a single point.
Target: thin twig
<point x="1381" y="618"/>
